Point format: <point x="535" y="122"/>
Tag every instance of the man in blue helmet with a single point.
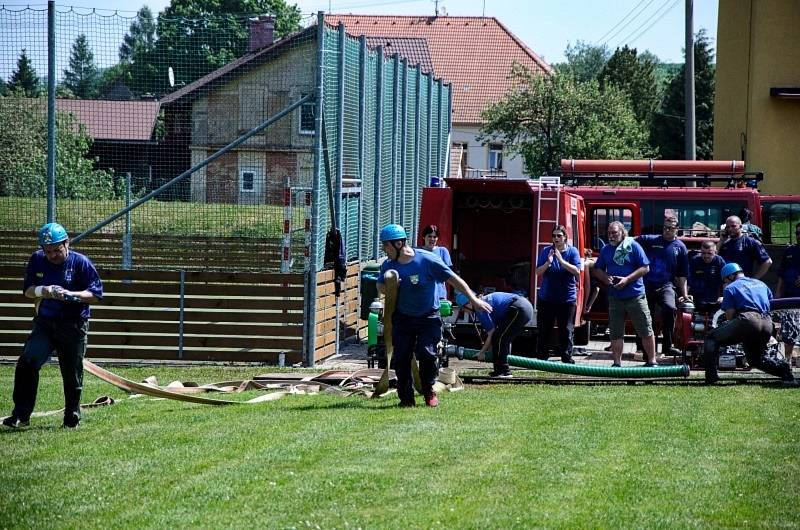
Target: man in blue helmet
<point x="63" y="283"/>
<point x="746" y="302"/>
<point x="417" y="326"/>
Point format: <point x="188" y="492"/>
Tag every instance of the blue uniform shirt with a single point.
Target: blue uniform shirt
<point x="76" y="274"/>
<point x="747" y="294"/>
<point x="558" y="285"/>
<point x="705" y="284"/>
<point x="789" y="270"/>
<point x="500" y="303"/>
<point x="444" y="255"/>
<point x="416" y="292"/>
<point x="668" y="259"/>
<point x="744" y="250"/>
<point x="635" y="259"/>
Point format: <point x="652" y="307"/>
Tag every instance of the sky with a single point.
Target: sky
<point x="546" y="26"/>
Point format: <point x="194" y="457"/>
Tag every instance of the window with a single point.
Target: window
<point x="247" y="182"/>
<point x="307" y="118"/>
<point x="602" y="217"/>
<point x="698" y="218"/>
<point x="779" y="222"/>
<point x="495" y="156"/>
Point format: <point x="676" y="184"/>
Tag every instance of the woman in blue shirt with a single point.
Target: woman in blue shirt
<point x="560" y="265"/>
<point x="430" y="235"/>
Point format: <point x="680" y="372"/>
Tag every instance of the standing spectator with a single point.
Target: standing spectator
<point x="430" y="235"/>
<point x="748" y="227"/>
<point x="510" y="314"/>
<point x="705" y="283"/>
<point x="417" y="326"/>
<point x="789" y="287"/>
<point x="63" y="283"/>
<point x="590" y="287"/>
<point x="669" y="268"/>
<point x="621" y="266"/>
<point x="746" y="304"/>
<point x="748" y="252"/>
<point x="560" y="265"/>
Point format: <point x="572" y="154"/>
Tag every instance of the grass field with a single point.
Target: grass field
<point x="650" y="456"/>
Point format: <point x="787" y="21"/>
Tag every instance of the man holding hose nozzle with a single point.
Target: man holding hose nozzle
<point x="63" y="283"/>
<point x="416" y="324"/>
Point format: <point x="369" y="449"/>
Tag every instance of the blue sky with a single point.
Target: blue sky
<point x="547" y="26"/>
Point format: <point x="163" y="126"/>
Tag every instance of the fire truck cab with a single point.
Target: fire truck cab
<point x="495" y="228"/>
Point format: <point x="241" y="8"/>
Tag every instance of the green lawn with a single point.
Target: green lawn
<point x="503" y="456"/>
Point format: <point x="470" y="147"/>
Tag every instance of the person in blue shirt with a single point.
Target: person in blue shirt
<point x="560" y="266"/>
<point x="669" y="269"/>
<point x="746" y="302"/>
<point x="430" y="235"/>
<point x="737" y="247"/>
<point x="417" y="326"/>
<point x="508" y="318"/>
<point x="63" y="283"/>
<point x="789" y="287"/>
<point x="705" y="283"/>
<point x="621" y="265"/>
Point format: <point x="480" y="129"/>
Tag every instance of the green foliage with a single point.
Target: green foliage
<point x="496" y="456"/>
<point x="3" y="87"/>
<point x="668" y="127"/>
<point x="195" y="37"/>
<point x="546" y="118"/>
<point x="82" y="76"/>
<point x="23" y="154"/>
<point x="585" y="61"/>
<point x="141" y="36"/>
<point x="635" y="75"/>
<point x="24" y="80"/>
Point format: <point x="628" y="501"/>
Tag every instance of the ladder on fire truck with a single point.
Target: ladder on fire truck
<point x="549" y="192"/>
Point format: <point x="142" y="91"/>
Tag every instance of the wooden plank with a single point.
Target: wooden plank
<point x="324" y="352"/>
<point x="189" y="341"/>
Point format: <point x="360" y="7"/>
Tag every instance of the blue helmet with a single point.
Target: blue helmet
<point x="730" y="268"/>
<point x="392" y="233"/>
<point x="51" y="234"/>
<point x="462" y="299"/>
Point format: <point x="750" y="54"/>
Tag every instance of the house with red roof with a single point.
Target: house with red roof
<point x="475" y="55"/>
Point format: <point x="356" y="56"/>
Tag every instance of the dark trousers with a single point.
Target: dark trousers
<point x="753" y="330"/>
<point x="548" y="314"/>
<point x="415" y="337"/>
<point x="68" y="341"/>
<point x="661" y="301"/>
<point x="519" y="313"/>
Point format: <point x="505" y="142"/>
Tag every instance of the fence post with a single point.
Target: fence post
<point x="416" y="143"/>
<point x="403" y="138"/>
<point x="429" y="153"/>
<point x="395" y="88"/>
<point x="362" y="73"/>
<point x="378" y="153"/>
<point x="286" y="251"/>
<point x="439" y="159"/>
<point x="181" y="306"/>
<point x="310" y="284"/>
<point x="340" y="127"/>
<point x="51" y="111"/>
<point x="127" y="251"/>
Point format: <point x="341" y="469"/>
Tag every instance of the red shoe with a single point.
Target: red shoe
<point x="432" y="400"/>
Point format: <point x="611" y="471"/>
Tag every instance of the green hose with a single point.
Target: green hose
<point x="372" y="329"/>
<point x="600" y="371"/>
<point x="585" y="369"/>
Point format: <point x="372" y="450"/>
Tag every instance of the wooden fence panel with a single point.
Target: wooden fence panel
<point x="224" y="316"/>
<point x="325" y="330"/>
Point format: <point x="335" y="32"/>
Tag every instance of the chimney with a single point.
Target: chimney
<point x="261" y="32"/>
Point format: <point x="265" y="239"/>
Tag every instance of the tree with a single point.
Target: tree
<point x="23" y="154"/>
<point x="24" y="80"/>
<point x="546" y="118"/>
<point x="3" y="87"/>
<point x="635" y="75"/>
<point x="141" y="36"/>
<point x="196" y="37"/>
<point x="667" y="131"/>
<point x="584" y="61"/>
<point x="82" y="77"/>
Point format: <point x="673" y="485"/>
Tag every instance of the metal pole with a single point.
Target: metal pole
<point x="181" y="306"/>
<point x="418" y="112"/>
<point x="378" y="153"/>
<point x="340" y="132"/>
<point x="430" y="125"/>
<point x="404" y="142"/>
<point x="395" y="85"/>
<point x="51" y="111"/>
<point x="236" y="143"/>
<point x="310" y="284"/>
<point x="362" y="105"/>
<point x="690" y="148"/>
<point x="127" y="253"/>
<point x="439" y="159"/>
